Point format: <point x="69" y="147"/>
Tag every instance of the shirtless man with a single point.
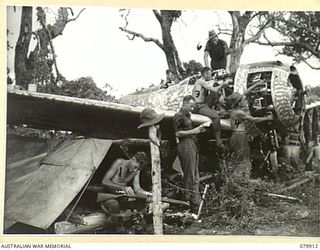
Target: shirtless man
<point x="200" y="92"/>
<point x="314" y="156"/>
<point x="239" y="146"/>
<point x="119" y="177"/>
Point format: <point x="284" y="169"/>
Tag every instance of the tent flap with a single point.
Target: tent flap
<point x="51" y="188"/>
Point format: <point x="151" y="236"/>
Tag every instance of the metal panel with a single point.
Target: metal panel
<point x="87" y="117"/>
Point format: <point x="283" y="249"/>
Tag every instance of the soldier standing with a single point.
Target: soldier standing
<point x="188" y="151"/>
<point x="218" y="51"/>
<point x="239" y="146"/>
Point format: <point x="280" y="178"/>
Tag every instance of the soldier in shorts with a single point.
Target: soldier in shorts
<point x="123" y="176"/>
<point x="200" y="92"/>
<point x="239" y="146"/>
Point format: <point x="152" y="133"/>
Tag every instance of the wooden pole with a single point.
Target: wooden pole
<point x="156" y="181"/>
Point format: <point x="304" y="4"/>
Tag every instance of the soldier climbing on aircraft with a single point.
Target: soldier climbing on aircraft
<point x="200" y="92"/>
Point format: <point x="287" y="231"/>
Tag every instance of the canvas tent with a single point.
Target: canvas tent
<point x="40" y="186"/>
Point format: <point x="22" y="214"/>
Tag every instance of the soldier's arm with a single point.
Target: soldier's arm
<point x="228" y="57"/>
<point x="186" y="133"/>
<point x="137" y="188"/>
<point x="206" y="58"/>
<point x="206" y="54"/>
<point x="243" y="115"/>
<point x="249" y="90"/>
<point x="209" y="85"/>
<point x="179" y="132"/>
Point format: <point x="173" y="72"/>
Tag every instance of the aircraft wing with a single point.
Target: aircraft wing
<point x="87" y="117"/>
<point x="313" y="105"/>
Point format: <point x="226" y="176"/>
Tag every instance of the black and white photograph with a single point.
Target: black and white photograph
<point x="141" y="121"/>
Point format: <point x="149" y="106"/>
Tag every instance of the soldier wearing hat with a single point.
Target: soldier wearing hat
<point x="218" y="51"/>
<point x="239" y="146"/>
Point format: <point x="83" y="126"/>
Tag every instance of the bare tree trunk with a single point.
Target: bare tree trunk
<point x="240" y="23"/>
<point x="237" y="42"/>
<point x="165" y="19"/>
<point x="37" y="67"/>
<point x="170" y="49"/>
<point x="22" y="75"/>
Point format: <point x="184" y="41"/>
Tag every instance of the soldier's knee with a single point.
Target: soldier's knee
<point x="112" y="205"/>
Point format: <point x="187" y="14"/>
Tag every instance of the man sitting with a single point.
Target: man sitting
<point x="123" y="177"/>
<point x="200" y="93"/>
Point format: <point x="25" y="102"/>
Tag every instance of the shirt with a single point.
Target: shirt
<point x="183" y="122"/>
<point x="217" y="51"/>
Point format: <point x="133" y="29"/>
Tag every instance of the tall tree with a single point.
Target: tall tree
<point x="297" y="32"/>
<point x="246" y="27"/>
<point x="301" y="35"/>
<point x="37" y="65"/>
<point x="165" y="19"/>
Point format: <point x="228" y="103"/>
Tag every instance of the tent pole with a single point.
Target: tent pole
<point x="156" y="181"/>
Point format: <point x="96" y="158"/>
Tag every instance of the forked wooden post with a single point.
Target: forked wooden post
<point x="156" y="182"/>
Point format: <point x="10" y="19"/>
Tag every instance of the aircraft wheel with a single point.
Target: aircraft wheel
<point x="282" y="102"/>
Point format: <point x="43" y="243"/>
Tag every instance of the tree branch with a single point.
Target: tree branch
<point x="260" y="32"/>
<point x="157" y="15"/>
<point x="223" y="30"/>
<point x="144" y="38"/>
<point x="73" y="19"/>
<point x="311" y="66"/>
<point x="255" y="15"/>
<point x="302" y="27"/>
<point x="276" y="44"/>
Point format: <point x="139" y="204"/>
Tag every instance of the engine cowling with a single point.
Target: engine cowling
<point x="283" y="91"/>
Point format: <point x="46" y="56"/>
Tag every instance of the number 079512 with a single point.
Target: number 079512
<point x="309" y="246"/>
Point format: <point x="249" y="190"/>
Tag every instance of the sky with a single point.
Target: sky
<point x="93" y="45"/>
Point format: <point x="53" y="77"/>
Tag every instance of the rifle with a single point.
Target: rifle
<point x="117" y="194"/>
